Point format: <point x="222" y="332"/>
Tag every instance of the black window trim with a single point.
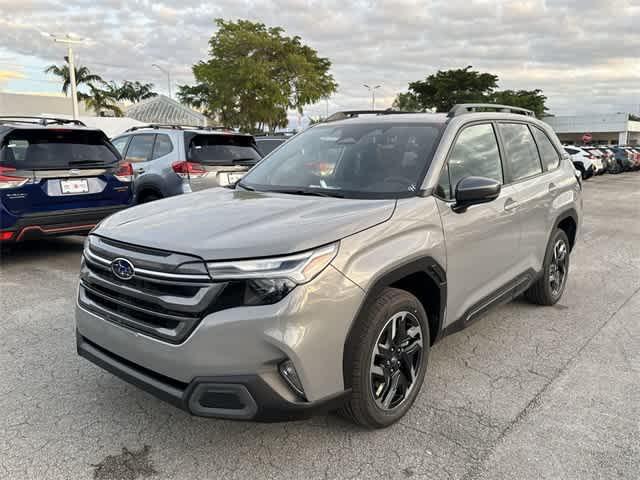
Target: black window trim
<point x="507" y="166"/>
<point x="450" y="151"/>
<point x="544" y="169"/>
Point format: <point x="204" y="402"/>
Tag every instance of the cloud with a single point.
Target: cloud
<point x="582" y="53"/>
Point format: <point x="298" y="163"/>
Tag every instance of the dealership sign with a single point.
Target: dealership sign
<point x="586" y="138"/>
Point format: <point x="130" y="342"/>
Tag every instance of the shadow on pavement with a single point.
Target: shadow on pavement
<point x="43" y="249"/>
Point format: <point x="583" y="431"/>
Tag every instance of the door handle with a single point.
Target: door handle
<point x="140" y="170"/>
<point x="510" y="204"/>
<point x="552" y="187"/>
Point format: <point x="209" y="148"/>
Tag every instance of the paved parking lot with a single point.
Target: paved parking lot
<point x="526" y="393"/>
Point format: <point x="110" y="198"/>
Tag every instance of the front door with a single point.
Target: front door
<point x="483" y="241"/>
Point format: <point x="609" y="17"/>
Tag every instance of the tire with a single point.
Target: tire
<point x="365" y="348"/>
<point x="149" y="197"/>
<point x="582" y="171"/>
<point x="546" y="291"/>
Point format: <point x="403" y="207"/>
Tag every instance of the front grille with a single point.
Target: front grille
<point x="160" y="301"/>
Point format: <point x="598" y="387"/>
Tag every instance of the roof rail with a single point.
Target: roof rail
<point x="463" y="108"/>
<point x="356" y="113"/>
<point x="44" y="121"/>
<point x="157" y="126"/>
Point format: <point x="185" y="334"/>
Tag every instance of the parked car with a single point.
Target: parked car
<point x="57" y="177"/>
<point x="169" y="160"/>
<point x="583" y="161"/>
<point x="599" y="160"/>
<point x="309" y="288"/>
<point x="624" y="159"/>
<point x="268" y="143"/>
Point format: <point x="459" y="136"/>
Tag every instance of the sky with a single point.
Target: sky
<point x="584" y="54"/>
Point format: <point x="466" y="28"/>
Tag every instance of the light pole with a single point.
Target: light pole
<point x="373" y="94"/>
<point x="164" y="70"/>
<point x="68" y="40"/>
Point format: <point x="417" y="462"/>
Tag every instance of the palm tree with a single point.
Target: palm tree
<point x="135" y="91"/>
<point x="100" y="100"/>
<point x="83" y="76"/>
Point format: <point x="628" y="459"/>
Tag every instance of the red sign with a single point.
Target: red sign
<point x="586" y="138"/>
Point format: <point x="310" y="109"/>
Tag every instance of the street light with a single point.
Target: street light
<point x="164" y="70"/>
<point x="69" y="40"/>
<point x="373" y="94"/>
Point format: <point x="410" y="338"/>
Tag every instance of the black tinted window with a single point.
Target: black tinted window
<point x="163" y="146"/>
<point x="520" y="150"/>
<point x="56" y="149"/>
<point x="222" y="149"/>
<point x="140" y="148"/>
<point x="549" y="155"/>
<point x="268" y="146"/>
<point x="475" y="154"/>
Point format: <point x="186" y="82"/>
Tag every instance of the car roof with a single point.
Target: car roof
<point x="19" y="122"/>
<point x="200" y="130"/>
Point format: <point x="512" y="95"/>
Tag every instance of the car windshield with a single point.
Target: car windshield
<point x="56" y="148"/>
<point x="350" y="159"/>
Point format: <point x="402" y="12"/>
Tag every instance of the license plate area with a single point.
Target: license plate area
<point x="234" y="177"/>
<point x="74" y="187"/>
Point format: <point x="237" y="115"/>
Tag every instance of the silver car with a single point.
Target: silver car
<point x="322" y="280"/>
<point x="169" y="160"/>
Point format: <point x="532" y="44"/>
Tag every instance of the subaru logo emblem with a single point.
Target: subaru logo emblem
<point x="122" y="268"/>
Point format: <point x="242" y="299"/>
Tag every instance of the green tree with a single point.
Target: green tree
<point x="531" y="99"/>
<point x="254" y="74"/>
<point x="83" y="76"/>
<point x="101" y="100"/>
<point x="407" y="102"/>
<point x="449" y="87"/>
<point x="135" y="91"/>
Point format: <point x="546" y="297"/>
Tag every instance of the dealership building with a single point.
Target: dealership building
<point x="604" y="129"/>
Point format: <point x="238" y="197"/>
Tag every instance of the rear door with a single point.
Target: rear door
<point x="220" y="159"/>
<point x="139" y="153"/>
<point x="60" y="169"/>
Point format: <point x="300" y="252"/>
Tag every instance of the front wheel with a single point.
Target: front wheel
<point x="549" y="288"/>
<point x="386" y="359"/>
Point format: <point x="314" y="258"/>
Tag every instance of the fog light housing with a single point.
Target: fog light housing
<point x="288" y="372"/>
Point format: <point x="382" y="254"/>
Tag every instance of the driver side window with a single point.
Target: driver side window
<point x="476" y="154"/>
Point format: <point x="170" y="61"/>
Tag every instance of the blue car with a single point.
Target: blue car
<point x="57" y="177"/>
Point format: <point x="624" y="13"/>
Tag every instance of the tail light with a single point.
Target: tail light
<point x="188" y="170"/>
<point x="124" y="172"/>
<point x="6" y="236"/>
<point x="8" y="179"/>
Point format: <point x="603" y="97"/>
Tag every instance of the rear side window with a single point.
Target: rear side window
<point x="222" y="149"/>
<point x="548" y="153"/>
<point x="268" y="146"/>
<point x="140" y="148"/>
<point x="520" y="149"/>
<point x="163" y="146"/>
<point x="475" y="154"/>
<point x="56" y="149"/>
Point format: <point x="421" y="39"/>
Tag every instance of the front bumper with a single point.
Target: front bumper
<point x="63" y="222"/>
<point x="240" y="346"/>
<point x="237" y="397"/>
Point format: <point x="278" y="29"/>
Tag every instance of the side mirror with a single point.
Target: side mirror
<point x="475" y="190"/>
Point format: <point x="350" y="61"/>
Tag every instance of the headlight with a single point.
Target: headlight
<point x="300" y="268"/>
<point x="269" y="280"/>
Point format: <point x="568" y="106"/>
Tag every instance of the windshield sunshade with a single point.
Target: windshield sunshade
<point x="56" y="149"/>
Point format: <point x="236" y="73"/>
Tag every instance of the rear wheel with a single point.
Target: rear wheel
<point x="549" y="288"/>
<point x="149" y="197"/>
<point x="388" y="352"/>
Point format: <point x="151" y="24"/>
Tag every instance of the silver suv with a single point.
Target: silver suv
<point x="169" y="160"/>
<point x="322" y="280"/>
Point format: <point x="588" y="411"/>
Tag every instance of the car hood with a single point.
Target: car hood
<point x="220" y="223"/>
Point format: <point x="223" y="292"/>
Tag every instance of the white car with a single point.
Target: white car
<point x="584" y="161"/>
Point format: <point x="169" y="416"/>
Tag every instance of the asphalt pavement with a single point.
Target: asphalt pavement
<point x="525" y="393"/>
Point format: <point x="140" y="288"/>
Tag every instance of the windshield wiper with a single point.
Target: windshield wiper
<point x="245" y="187"/>
<point x="311" y="193"/>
